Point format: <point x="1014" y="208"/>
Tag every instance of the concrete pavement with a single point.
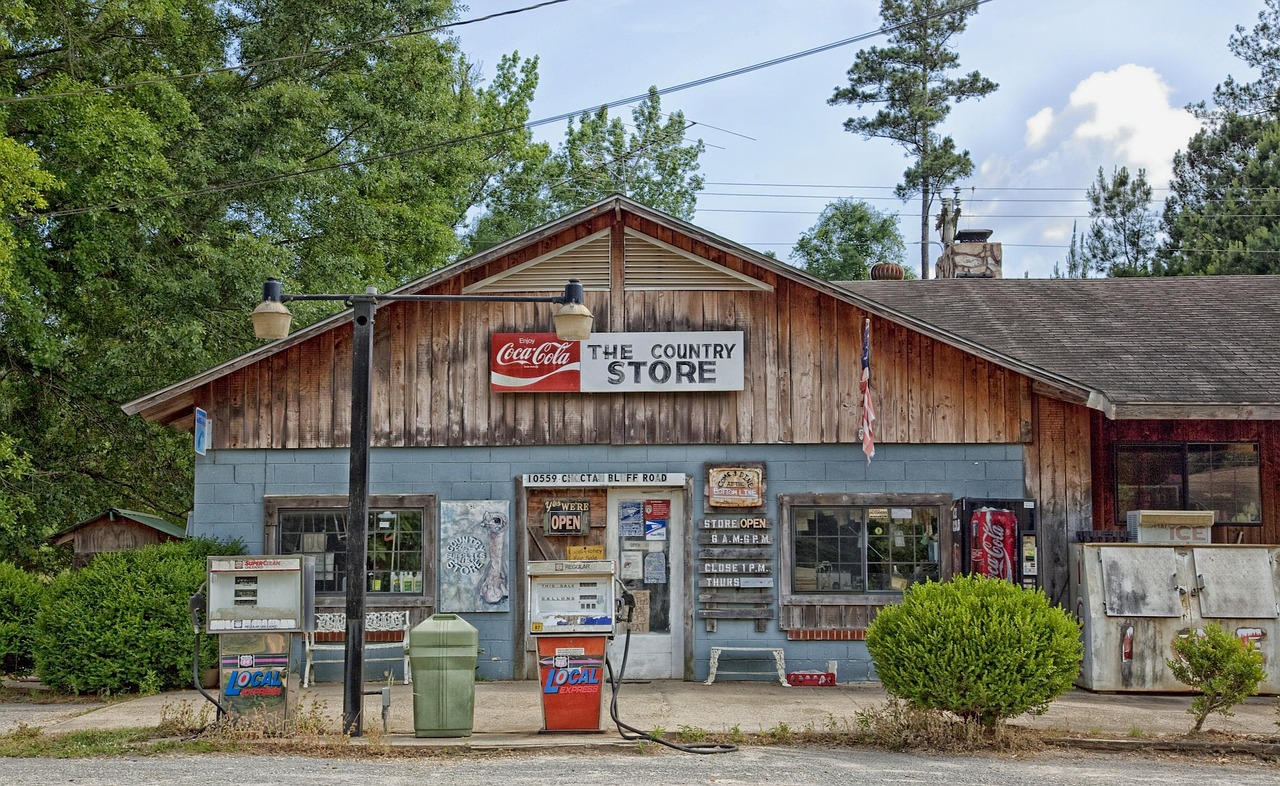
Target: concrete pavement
<point x="509" y="714"/>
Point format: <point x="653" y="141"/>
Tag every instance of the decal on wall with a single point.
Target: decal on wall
<point x="473" y="556"/>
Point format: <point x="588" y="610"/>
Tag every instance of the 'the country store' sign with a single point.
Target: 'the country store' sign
<point x="617" y="362"/>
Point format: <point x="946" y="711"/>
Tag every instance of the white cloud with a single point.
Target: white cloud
<point x="1128" y="111"/>
<point x="1038" y="126"/>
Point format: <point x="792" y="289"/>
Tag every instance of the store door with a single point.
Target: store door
<point x="646" y="537"/>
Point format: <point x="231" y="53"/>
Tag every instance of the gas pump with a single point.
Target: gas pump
<point x="571" y="614"/>
<point x="258" y="605"/>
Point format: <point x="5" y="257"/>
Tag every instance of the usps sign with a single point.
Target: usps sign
<point x="617" y="362"/>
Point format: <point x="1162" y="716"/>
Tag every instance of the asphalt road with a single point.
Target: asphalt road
<point x="772" y="765"/>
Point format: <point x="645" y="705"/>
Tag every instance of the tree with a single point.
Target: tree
<point x="147" y="216"/>
<point x="1221" y="216"/>
<point x="849" y="238"/>
<point x="1076" y="268"/>
<point x="653" y="165"/>
<point x="1121" y="241"/>
<point x="909" y="81"/>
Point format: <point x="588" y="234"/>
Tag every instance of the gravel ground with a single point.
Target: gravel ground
<point x="783" y="766"/>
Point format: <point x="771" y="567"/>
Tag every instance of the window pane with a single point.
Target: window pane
<point x="863" y="549"/>
<point x="394" y="559"/>
<point x="1148" y="477"/>
<point x="1224" y="478"/>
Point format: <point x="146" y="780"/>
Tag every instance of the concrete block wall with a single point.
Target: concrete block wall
<point x="230" y="486"/>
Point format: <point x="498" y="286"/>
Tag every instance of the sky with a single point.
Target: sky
<point x="1083" y="84"/>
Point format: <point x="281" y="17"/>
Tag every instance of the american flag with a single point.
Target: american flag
<point x="864" y="386"/>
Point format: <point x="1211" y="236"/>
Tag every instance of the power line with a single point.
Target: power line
<point x="534" y="124"/>
<point x="273" y="60"/>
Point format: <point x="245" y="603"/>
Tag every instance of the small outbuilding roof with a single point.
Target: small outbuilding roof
<point x="111" y="514"/>
<point x="1173" y="347"/>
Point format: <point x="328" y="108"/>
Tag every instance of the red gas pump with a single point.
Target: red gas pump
<point x="571" y="613"/>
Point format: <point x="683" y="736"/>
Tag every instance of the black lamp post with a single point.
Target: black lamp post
<point x="271" y="320"/>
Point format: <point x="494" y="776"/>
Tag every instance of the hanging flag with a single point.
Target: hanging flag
<point x="864" y="386"/>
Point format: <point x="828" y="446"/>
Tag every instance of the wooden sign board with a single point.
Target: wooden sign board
<point x="746" y="522"/>
<point x="721" y="568"/>
<point x="739" y="582"/>
<point x="735" y="486"/>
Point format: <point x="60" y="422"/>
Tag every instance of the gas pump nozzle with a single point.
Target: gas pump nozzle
<point x="626" y="600"/>
<point x="195" y="606"/>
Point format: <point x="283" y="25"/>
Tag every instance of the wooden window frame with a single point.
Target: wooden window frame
<point x="272" y="505"/>
<point x="786" y="545"/>
<point x="1184" y="445"/>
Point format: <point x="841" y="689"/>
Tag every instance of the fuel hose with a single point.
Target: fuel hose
<point x="628" y="732"/>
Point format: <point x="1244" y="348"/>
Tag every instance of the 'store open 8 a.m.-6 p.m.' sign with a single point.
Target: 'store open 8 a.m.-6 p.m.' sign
<point x="617" y="362"/>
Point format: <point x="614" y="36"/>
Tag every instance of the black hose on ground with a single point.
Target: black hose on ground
<point x="628" y="732"/>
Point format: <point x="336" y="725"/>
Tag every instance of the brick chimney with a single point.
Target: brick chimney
<point x="966" y="253"/>
<point x="971" y="255"/>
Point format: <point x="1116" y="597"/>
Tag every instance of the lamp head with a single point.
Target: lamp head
<point x="574" y="320"/>
<point x="271" y="319"/>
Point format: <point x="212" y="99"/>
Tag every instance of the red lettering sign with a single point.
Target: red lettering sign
<point x="533" y="362"/>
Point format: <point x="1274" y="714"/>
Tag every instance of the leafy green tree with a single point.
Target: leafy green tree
<point x="1075" y="264"/>
<point x="909" y="81"/>
<point x="1121" y="240"/>
<point x="1221" y="216"/>
<point x="1223" y="669"/>
<point x="849" y="238"/>
<point x="137" y="223"/>
<point x="653" y="164"/>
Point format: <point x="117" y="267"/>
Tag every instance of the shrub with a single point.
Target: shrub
<point x="981" y="648"/>
<point x="1224" y="669"/>
<point x="122" y="623"/>
<point x="20" y="594"/>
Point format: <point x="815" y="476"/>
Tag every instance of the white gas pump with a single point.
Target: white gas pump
<point x="571" y="614"/>
<point x="257" y="605"/>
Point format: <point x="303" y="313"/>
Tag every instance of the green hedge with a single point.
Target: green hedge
<point x="20" y="595"/>
<point x="122" y="622"/>
<point x="981" y="648"/>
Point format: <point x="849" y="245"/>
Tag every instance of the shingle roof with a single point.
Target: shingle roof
<point x="145" y="519"/>
<point x="1143" y="343"/>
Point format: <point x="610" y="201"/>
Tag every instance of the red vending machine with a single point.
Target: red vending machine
<point x="995" y="537"/>
<point x="571" y="614"/>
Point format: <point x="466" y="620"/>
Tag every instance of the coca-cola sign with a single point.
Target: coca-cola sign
<point x="534" y="362"/>
<point x="618" y="362"/>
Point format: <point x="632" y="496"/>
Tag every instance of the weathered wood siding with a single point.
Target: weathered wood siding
<point x="431" y="374"/>
<point x="1058" y="477"/>
<point x="1264" y="432"/>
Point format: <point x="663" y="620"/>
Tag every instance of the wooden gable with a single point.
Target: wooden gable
<point x="431" y="369"/>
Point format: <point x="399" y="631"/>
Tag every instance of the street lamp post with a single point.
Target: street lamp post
<point x="271" y="320"/>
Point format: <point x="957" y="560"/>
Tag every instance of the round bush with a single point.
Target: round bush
<point x="121" y="623"/>
<point x="20" y="594"/>
<point x="981" y="648"/>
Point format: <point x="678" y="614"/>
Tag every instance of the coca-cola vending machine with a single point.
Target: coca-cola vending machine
<point x="995" y="537"/>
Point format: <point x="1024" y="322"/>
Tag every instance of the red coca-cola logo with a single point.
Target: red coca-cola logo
<point x="531" y="362"/>
<point x="546" y="354"/>
<point x="993" y="543"/>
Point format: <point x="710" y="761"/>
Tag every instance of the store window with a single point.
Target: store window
<point x="1220" y="476"/>
<point x="837" y="546"/>
<point x="398" y="536"/>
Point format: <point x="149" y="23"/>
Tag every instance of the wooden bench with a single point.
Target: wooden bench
<point x="779" y="660"/>
<point x="330" y="623"/>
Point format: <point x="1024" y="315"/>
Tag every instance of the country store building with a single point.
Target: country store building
<point x="707" y="437"/>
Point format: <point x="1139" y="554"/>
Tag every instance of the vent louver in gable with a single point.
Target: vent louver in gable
<point x="586" y="260"/>
<point x="652" y="264"/>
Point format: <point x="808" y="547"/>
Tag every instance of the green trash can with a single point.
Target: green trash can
<point x="442" y="654"/>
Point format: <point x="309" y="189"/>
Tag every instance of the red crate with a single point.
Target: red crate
<point x="811" y="678"/>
